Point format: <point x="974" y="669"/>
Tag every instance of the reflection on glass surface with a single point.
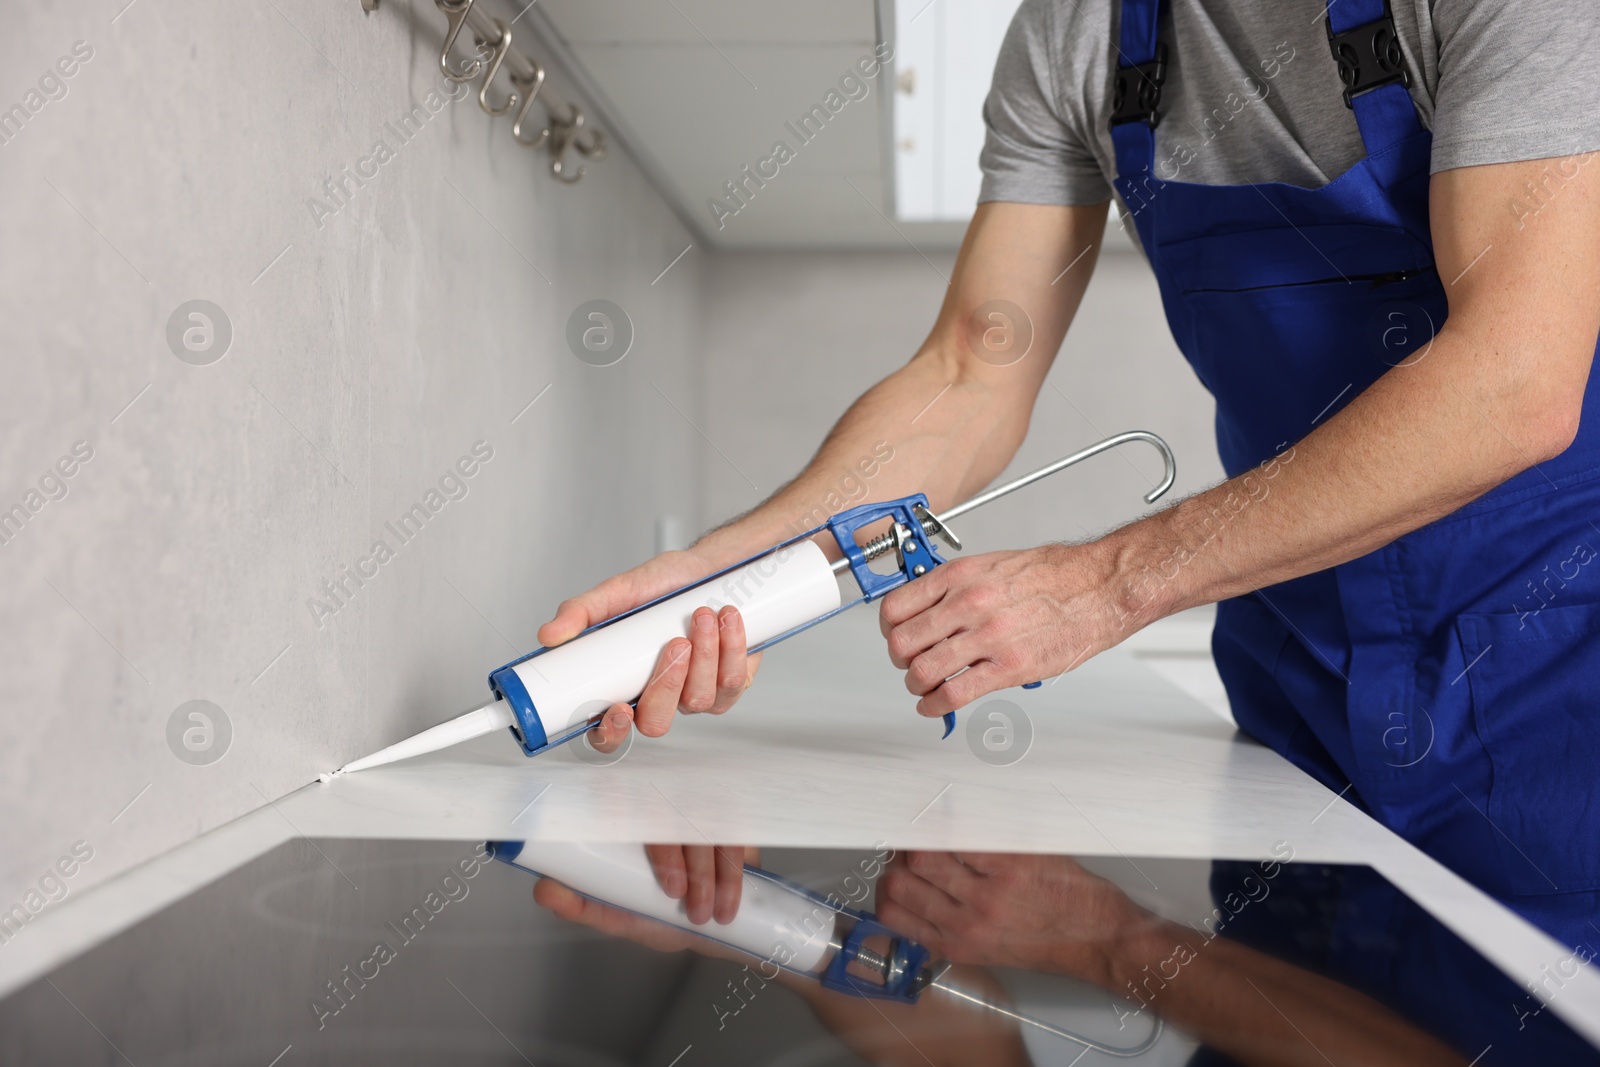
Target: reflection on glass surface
<point x="432" y="952"/>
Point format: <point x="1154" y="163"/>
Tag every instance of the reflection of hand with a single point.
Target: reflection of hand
<point x="988" y="622"/>
<point x="936" y="1030"/>
<point x="566" y="904"/>
<point x="1043" y="913"/>
<point x="1047" y="913"/>
<point x="705" y="672"/>
<point x="707" y="878"/>
<point x="729" y="870"/>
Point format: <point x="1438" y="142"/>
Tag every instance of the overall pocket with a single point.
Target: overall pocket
<point x="1535" y="685"/>
<point x="1283" y="350"/>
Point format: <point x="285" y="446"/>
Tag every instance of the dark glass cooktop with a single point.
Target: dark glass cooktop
<point x="408" y="952"/>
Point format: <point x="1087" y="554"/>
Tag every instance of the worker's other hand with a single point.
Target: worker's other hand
<point x="705" y="672"/>
<point x="707" y="878"/>
<point x="1040" y="913"/>
<point x="988" y="622"/>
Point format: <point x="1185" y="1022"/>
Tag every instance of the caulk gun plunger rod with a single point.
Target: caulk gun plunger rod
<point x="879" y="545"/>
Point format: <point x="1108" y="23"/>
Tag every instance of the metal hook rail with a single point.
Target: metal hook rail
<point x="565" y="127"/>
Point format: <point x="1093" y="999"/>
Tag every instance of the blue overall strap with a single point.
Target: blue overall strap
<point x="1141" y="70"/>
<point x="1367" y="48"/>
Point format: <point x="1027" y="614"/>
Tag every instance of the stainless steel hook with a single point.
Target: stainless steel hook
<point x="565" y="128"/>
<point x="567" y="135"/>
<point x="501" y="46"/>
<point x="564" y="134"/>
<point x="456" y="11"/>
<point x="529" y="87"/>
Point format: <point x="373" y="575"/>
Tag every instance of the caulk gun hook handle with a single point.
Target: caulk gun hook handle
<point x="1169" y="476"/>
<point x="1167" y="458"/>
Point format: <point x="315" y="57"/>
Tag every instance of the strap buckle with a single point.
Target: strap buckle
<point x="1369" y="56"/>
<point x="1137" y="92"/>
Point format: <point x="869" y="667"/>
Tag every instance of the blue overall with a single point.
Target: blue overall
<point x="1450" y="680"/>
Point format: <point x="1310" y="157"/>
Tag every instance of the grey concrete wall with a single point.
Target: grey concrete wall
<point x="795" y="337"/>
<point x="375" y="343"/>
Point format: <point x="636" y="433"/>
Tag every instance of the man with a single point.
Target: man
<point x="1377" y="237"/>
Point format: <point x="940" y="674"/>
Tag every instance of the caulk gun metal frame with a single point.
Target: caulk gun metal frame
<point x="914" y="524"/>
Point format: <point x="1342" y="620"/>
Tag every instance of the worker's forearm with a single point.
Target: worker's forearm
<point x="1259" y="1010"/>
<point x="1423" y="441"/>
<point x="928" y="427"/>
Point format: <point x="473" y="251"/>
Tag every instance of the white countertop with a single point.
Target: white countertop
<point x="826" y="751"/>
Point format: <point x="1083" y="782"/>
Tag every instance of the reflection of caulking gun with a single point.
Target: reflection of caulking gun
<point x="554" y="694"/>
<point x="778" y="922"/>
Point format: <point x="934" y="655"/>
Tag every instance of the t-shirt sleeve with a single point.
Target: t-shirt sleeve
<point x="1031" y="153"/>
<point x="1518" y="80"/>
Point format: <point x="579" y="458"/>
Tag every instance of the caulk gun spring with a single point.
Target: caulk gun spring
<point x="872" y="960"/>
<point x="879" y="545"/>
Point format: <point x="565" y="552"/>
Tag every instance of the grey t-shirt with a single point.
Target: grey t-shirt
<point x="1253" y="94"/>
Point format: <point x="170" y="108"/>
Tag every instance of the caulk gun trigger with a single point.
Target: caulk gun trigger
<point x="1031" y="685"/>
<point x="949" y="724"/>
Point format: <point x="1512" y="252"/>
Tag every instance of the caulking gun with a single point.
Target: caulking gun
<point x="553" y="695"/>
<point x="781" y="924"/>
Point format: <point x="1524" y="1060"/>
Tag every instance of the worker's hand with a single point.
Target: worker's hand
<point x="1036" y="912"/>
<point x="707" y="878"/>
<point x="704" y="673"/>
<point x="988" y="622"/>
